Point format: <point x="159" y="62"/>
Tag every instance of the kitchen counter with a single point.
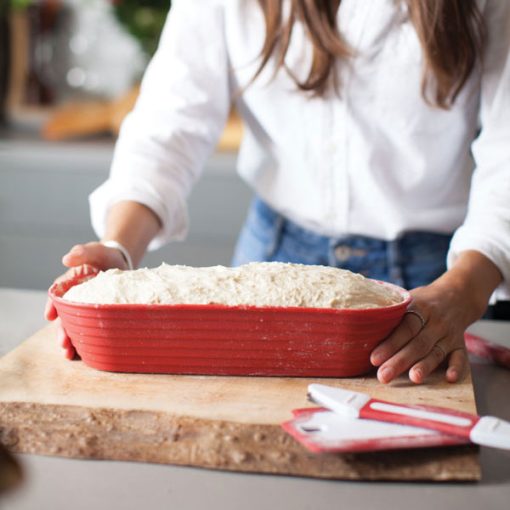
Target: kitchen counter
<point x="59" y="483"/>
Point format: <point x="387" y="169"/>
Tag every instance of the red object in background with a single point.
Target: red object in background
<point x="487" y="350"/>
<point x="225" y="340"/>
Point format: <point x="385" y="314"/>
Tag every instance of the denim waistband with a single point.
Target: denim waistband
<point x="353" y="241"/>
<point x="413" y="258"/>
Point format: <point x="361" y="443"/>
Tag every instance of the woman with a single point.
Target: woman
<point x="376" y="140"/>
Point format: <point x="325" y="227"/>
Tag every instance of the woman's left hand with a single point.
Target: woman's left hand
<point x="432" y="330"/>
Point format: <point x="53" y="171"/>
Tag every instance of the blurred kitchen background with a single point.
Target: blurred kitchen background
<point x="69" y="73"/>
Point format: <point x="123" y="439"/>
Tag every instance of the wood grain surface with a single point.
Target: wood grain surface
<point x="52" y="406"/>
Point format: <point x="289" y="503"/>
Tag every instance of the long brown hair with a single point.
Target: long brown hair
<point x="451" y="34"/>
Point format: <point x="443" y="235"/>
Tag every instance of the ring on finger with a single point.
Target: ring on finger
<point x="419" y="315"/>
<point x="441" y="350"/>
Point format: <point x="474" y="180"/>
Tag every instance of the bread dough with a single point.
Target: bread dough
<point x="255" y="284"/>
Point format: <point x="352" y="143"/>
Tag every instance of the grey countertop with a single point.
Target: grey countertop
<point x="56" y="483"/>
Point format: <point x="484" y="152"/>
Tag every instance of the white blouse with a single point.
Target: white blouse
<point x="374" y="159"/>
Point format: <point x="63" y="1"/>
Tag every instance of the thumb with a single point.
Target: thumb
<point x="94" y="254"/>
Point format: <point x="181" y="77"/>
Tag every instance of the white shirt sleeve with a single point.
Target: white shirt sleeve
<point x="487" y="224"/>
<point x="176" y="123"/>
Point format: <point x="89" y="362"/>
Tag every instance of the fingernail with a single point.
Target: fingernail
<point x="387" y="373"/>
<point x="376" y="359"/>
<point x="452" y="373"/>
<point x="76" y="250"/>
<point x="418" y="372"/>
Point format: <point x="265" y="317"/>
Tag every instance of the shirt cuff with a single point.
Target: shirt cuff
<point x="465" y="239"/>
<point x="172" y="213"/>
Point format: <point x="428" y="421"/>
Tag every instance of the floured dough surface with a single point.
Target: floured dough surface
<point x="254" y="284"/>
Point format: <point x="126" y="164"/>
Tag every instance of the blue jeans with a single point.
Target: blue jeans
<point x="412" y="260"/>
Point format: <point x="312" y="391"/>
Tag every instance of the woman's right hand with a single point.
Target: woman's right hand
<point x="96" y="256"/>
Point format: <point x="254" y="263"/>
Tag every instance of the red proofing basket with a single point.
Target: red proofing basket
<point x="225" y="340"/>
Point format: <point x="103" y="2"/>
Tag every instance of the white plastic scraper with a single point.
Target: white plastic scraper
<point x="486" y="430"/>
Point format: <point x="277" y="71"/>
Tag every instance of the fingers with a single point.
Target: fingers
<point x="422" y="348"/>
<point x="62" y="337"/>
<point x="50" y="312"/>
<point x="83" y="260"/>
<point x="94" y="254"/>
<point x="416" y="349"/>
<point x="65" y="341"/>
<point x="430" y="334"/>
<point x="456" y="365"/>
<point x="75" y="256"/>
<point x="422" y="355"/>
<point x="410" y="326"/>
<point x="457" y="361"/>
<point x="420" y="345"/>
<point x="428" y="364"/>
<point x="70" y="353"/>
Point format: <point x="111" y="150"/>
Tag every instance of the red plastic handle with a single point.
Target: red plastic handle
<point x="436" y="418"/>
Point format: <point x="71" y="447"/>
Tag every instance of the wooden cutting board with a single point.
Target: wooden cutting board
<point x="52" y="406"/>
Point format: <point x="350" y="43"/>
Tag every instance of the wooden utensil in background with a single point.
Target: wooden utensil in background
<point x="88" y="118"/>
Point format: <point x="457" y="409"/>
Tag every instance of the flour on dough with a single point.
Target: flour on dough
<point x="255" y="284"/>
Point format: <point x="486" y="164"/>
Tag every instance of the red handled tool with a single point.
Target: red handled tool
<point x="486" y="430"/>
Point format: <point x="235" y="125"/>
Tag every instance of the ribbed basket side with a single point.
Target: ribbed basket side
<point x="223" y="340"/>
<point x="226" y="340"/>
<point x="222" y="370"/>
